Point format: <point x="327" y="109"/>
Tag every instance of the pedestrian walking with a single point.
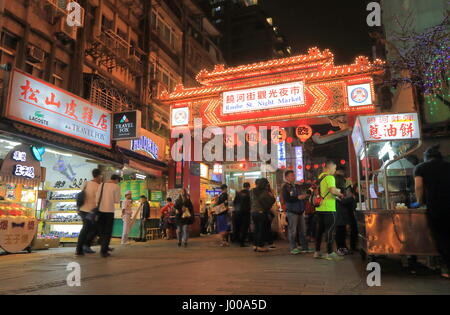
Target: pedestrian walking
<point x="144" y="210"/>
<point x="241" y="215"/>
<point x="326" y="212"/>
<point x="89" y="230"/>
<point x="262" y="200"/>
<point x="108" y="194"/>
<point x="184" y="217"/>
<point x="432" y="185"/>
<point x="168" y="218"/>
<point x="203" y="218"/>
<point x="222" y="218"/>
<point x="342" y="218"/>
<point x="295" y="208"/>
<point x="127" y="213"/>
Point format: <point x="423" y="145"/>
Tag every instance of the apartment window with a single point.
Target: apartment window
<point x="59" y="73"/>
<point x="107" y="24"/>
<point x="34" y="70"/>
<point x="165" y="32"/>
<point x="9" y="41"/>
<point x="122" y="34"/>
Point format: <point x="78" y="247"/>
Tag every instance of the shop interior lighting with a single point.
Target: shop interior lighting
<point x="59" y="153"/>
<point x="140" y="176"/>
<point x="10" y="143"/>
<point x="252" y="174"/>
<point x="237" y="174"/>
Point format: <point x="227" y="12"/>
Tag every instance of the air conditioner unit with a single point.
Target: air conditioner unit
<point x="59" y="5"/>
<point x="35" y="54"/>
<point x="70" y="32"/>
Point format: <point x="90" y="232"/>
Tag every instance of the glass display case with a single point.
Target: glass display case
<point x="387" y="221"/>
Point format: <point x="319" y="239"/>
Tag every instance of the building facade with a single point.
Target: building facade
<point x="249" y="34"/>
<point x="122" y="57"/>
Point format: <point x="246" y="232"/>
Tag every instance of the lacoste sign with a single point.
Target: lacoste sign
<point x="126" y="125"/>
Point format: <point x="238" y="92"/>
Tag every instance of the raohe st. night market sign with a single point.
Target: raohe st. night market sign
<point x="38" y="103"/>
<point x="273" y="96"/>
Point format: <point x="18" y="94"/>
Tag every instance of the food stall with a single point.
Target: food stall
<point x="388" y="224"/>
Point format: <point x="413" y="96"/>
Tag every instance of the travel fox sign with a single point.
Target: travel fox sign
<point x="126" y="125"/>
<point x="273" y="96"/>
<point x="38" y="103"/>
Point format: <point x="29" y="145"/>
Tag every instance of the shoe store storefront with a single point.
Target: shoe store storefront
<point x="144" y="173"/>
<point x="68" y="137"/>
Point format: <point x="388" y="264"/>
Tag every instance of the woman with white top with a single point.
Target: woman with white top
<point x="126" y="216"/>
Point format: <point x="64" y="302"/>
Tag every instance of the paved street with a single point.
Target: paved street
<point x="159" y="267"/>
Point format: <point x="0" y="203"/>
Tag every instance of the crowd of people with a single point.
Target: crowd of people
<point x="323" y="210"/>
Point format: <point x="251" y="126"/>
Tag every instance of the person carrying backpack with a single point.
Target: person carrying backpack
<point x="325" y="201"/>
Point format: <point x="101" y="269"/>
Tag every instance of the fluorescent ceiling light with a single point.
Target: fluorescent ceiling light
<point x="56" y="152"/>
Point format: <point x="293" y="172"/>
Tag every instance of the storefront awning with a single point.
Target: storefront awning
<point x="143" y="163"/>
<point x="63" y="142"/>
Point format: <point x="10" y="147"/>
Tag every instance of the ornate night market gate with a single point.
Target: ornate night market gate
<point x="304" y="90"/>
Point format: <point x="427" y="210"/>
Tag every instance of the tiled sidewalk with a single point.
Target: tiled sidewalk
<point x="160" y="267"/>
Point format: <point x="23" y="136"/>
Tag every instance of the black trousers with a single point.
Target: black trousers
<point x="241" y="226"/>
<point x="438" y="223"/>
<point x="268" y="231"/>
<point x="260" y="223"/>
<point x="203" y="223"/>
<point x="311" y="225"/>
<point x="326" y="222"/>
<point x="340" y="236"/>
<point x="353" y="230"/>
<point x="105" y="226"/>
<point x="87" y="233"/>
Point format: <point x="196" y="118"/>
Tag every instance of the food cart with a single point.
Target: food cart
<point x="387" y="223"/>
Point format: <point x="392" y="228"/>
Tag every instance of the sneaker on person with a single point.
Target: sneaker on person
<point x="272" y="246"/>
<point x="295" y="251"/>
<point x="307" y="251"/>
<point x="333" y="256"/>
<point x="341" y="252"/>
<point x="318" y="255"/>
<point x="88" y="250"/>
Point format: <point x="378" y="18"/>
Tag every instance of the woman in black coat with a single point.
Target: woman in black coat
<point x="184" y="217"/>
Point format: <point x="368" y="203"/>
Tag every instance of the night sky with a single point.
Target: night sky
<point x="339" y="25"/>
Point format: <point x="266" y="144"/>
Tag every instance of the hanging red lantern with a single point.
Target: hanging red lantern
<point x="308" y="167"/>
<point x="289" y="140"/>
<point x="299" y="167"/>
<point x="324" y="164"/>
<point x="343" y="162"/>
<point x="303" y="132"/>
<point x="316" y="166"/>
<point x="278" y="136"/>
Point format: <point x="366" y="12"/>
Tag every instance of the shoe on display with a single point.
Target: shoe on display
<point x="295" y="251"/>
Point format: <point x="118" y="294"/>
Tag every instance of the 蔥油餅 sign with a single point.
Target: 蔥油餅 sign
<point x="126" y="125"/>
<point x="389" y="127"/>
<point x="266" y="97"/>
<point x="38" y="103"/>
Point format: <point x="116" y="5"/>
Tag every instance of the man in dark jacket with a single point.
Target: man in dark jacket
<point x="145" y="216"/>
<point x="432" y="185"/>
<point x="241" y="216"/>
<point x="294" y="202"/>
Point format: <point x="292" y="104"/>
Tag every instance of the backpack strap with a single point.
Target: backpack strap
<point x="320" y="181"/>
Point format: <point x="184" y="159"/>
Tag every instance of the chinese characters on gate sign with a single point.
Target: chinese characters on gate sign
<point x="390" y="127"/>
<point x="19" y="156"/>
<point x="273" y="96"/>
<point x="46" y="106"/>
<point x="24" y="171"/>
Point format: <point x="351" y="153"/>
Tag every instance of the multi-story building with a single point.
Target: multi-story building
<point x="249" y="34"/>
<point x="124" y="55"/>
